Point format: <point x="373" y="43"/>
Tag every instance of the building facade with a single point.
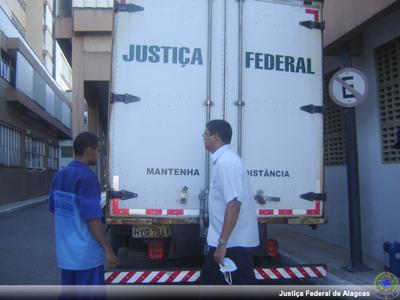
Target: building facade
<point x="34" y="110"/>
<point x="84" y="31"/>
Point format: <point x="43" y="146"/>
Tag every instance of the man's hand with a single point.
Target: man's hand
<point x="111" y="259"/>
<point x="219" y="254"/>
<point x="98" y="233"/>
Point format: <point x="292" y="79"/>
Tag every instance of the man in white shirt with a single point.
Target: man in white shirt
<point x="233" y="229"/>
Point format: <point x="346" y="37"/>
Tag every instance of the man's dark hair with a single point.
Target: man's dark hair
<point x="85" y="140"/>
<point x="222" y="128"/>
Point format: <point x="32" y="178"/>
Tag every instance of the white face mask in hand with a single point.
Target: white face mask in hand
<point x="228" y="267"/>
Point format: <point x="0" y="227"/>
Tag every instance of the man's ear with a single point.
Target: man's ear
<point x="218" y="138"/>
<point x="87" y="151"/>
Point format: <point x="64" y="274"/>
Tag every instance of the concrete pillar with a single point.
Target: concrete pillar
<point x="77" y="83"/>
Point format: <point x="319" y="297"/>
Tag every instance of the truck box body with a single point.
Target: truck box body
<point x="185" y="62"/>
<point x="160" y="55"/>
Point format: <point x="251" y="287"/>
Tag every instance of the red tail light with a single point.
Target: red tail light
<point x="155" y="250"/>
<point x="272" y="248"/>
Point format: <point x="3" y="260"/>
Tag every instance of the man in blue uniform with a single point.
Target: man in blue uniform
<point x="75" y="195"/>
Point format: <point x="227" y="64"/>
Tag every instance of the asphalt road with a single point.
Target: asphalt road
<point x="27" y="250"/>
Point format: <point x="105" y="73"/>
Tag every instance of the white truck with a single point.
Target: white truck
<point x="178" y="64"/>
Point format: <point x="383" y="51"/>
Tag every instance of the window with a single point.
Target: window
<point x="334" y="134"/>
<point x="66" y="152"/>
<point x="34" y="153"/>
<point x="85" y="118"/>
<point x="387" y="60"/>
<point x="64" y="8"/>
<point x="52" y="157"/>
<point x="10" y="146"/>
<point x="6" y="67"/>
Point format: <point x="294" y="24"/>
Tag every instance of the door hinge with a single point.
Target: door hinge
<point x="123" y="195"/>
<point x="125" y="98"/>
<point x="261" y="199"/>
<point x="128" y="7"/>
<point x="314" y="196"/>
<point x="313" y="25"/>
<point x="312" y="109"/>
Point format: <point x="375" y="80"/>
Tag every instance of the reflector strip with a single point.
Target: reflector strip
<point x="164" y="278"/>
<point x="260" y="274"/>
<point x="120" y="277"/>
<point x="180" y="276"/>
<point x="283" y="273"/>
<point x="290" y="273"/>
<point x="150" y="277"/>
<point x="135" y="277"/>
<point x="195" y="212"/>
<point x="153" y="211"/>
<point x="143" y="277"/>
<point x="299" y="211"/>
<point x="127" y="277"/>
<point x="285" y="212"/>
<point x="310" y="272"/>
<point x="265" y="212"/>
<point x="157" y="277"/>
<point x="271" y="275"/>
<point x="297" y="273"/>
<point x="322" y="271"/>
<point x="304" y="273"/>
<point x="188" y="276"/>
<point x="193" y="276"/>
<point x="109" y="277"/>
<point x="276" y="273"/>
<point x="313" y="12"/>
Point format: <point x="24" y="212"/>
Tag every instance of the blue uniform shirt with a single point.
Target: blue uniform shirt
<point x="75" y="198"/>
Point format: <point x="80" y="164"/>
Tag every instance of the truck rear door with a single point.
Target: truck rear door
<point x="280" y="142"/>
<point x="156" y="147"/>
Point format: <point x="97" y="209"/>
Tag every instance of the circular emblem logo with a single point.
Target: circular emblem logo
<point x="386" y="284"/>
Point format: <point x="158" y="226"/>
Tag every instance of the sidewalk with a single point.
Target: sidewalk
<point x="8" y="208"/>
<point x="297" y="248"/>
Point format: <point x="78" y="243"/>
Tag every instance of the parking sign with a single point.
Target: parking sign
<point x="348" y="87"/>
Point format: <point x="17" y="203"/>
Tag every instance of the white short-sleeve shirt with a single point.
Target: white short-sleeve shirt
<point x="229" y="180"/>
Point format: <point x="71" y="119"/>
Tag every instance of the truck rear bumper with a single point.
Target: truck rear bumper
<point x="193" y="276"/>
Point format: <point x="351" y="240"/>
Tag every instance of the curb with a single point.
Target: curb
<point x="10" y="208"/>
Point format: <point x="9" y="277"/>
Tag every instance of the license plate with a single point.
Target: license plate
<point x="151" y="231"/>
